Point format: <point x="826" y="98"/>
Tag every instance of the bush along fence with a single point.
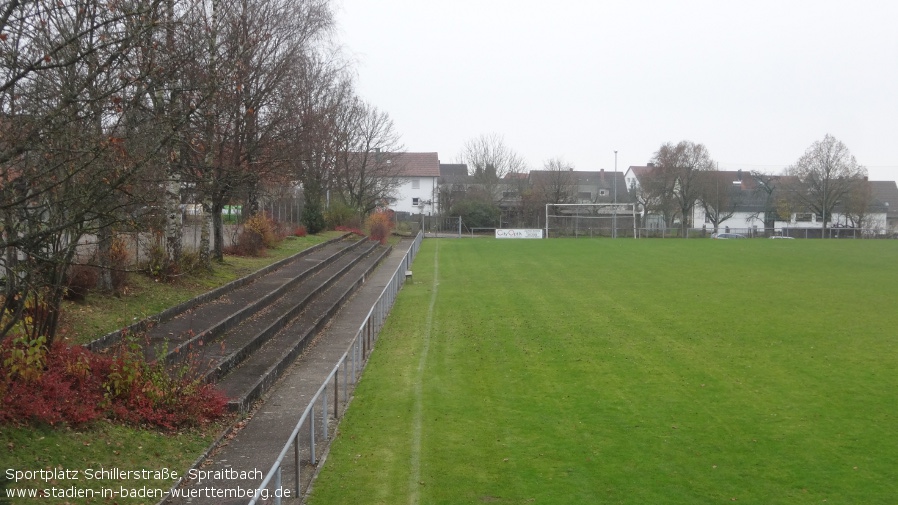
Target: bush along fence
<point x="331" y="399"/>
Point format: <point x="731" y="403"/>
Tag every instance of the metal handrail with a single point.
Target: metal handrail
<point x="356" y="352"/>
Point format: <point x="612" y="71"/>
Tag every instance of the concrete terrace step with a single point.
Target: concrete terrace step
<point x="218" y="356"/>
<point x="141" y="327"/>
<point x="254" y="375"/>
<point x="205" y="322"/>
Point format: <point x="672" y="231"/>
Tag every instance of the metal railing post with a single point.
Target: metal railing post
<point x="355" y="346"/>
<point x="324" y="415"/>
<point x="297" y="459"/>
<point x="277" y="487"/>
<point x="346" y="379"/>
<point x="336" y="394"/>
<point x="312" y="435"/>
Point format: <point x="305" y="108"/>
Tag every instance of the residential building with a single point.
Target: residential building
<point x="453" y="185"/>
<point x="417" y="191"/>
<point x="576" y="186"/>
<point x="886" y="193"/>
<point x="741" y="202"/>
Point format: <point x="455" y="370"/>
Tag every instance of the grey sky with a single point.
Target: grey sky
<point x="756" y="83"/>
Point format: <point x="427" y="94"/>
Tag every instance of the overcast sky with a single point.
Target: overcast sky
<point x="756" y="83"/>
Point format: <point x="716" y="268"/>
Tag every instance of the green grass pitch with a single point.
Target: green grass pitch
<point x="630" y="371"/>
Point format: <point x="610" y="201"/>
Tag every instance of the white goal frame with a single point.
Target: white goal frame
<point x="608" y="211"/>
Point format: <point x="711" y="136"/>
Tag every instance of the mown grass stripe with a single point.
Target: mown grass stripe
<point x="599" y="371"/>
<point x="415" y="473"/>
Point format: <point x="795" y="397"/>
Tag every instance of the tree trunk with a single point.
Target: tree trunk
<point x="174" y="223"/>
<point x="206" y="234"/>
<point x="218" y="232"/>
<point x="104" y="246"/>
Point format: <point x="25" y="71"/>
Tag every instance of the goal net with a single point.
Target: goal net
<point x="591" y="220"/>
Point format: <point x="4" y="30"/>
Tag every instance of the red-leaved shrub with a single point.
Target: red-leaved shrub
<point x="258" y="233"/>
<point x="248" y="243"/>
<point x="66" y="389"/>
<point x="153" y="393"/>
<point x="300" y="231"/>
<point x="119" y="258"/>
<point x="379" y="226"/>
<point x="80" y="280"/>
<point x="71" y="385"/>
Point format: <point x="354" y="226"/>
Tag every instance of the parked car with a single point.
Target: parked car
<point x="727" y="235"/>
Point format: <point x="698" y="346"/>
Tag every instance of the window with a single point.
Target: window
<point x="416" y="201"/>
<point x="584" y="195"/>
<point x="603" y="192"/>
<point x="416" y="184"/>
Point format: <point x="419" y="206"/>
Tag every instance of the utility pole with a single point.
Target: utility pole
<point x="614" y="209"/>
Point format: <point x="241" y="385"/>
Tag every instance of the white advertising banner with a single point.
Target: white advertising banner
<point x="519" y="233"/>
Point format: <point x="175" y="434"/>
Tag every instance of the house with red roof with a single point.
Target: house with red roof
<point x="417" y="191"/>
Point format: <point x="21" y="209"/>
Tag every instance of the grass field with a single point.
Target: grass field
<point x="630" y="371"/>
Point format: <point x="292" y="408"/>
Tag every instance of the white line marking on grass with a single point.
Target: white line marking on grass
<point x="414" y="478"/>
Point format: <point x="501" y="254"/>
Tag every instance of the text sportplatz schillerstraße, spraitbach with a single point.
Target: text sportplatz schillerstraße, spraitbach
<point x="82" y="483"/>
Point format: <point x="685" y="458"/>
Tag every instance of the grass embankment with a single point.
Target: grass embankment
<point x="108" y="446"/>
<point x="630" y="371"/>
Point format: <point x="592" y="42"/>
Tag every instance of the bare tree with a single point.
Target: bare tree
<point x="766" y="186"/>
<point x="111" y="108"/>
<point x="490" y="160"/>
<point x="557" y="183"/>
<point x="654" y="192"/>
<point x="718" y="197"/>
<point x="554" y="184"/>
<point x="827" y="172"/>
<point x="682" y="165"/>
<point x="315" y="96"/>
<point x="367" y="166"/>
<point x="107" y="108"/>
<point x="162" y="106"/>
<point x="856" y="204"/>
<point x="68" y="81"/>
<point x="452" y="188"/>
<point x="533" y="208"/>
<point x="271" y="37"/>
<point x="252" y="48"/>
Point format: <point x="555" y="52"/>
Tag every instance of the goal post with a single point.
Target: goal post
<point x="591" y="220"/>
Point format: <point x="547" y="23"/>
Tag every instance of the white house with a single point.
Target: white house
<point x="748" y="214"/>
<point x="746" y="204"/>
<point x="417" y="192"/>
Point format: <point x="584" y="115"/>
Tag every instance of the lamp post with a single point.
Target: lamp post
<point x="614" y="209"/>
<point x="823" y="208"/>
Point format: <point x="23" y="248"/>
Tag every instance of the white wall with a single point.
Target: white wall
<point x="425" y="192"/>
<point x="875" y="223"/>
<point x="740" y="220"/>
